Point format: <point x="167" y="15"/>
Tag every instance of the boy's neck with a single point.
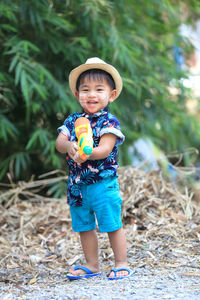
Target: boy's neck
<point x="98" y="113"/>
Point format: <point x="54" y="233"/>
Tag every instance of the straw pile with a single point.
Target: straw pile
<point x="161" y="220"/>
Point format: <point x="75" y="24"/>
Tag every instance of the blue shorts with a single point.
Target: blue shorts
<point x="101" y="202"/>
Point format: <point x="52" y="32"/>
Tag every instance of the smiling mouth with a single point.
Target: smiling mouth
<point x="92" y="102"/>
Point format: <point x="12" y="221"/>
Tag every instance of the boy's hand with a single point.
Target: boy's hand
<point x="72" y="149"/>
<point x="78" y="159"/>
<point x="63" y="145"/>
<point x="74" y="153"/>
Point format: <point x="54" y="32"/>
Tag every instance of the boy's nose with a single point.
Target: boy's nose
<point x="92" y="94"/>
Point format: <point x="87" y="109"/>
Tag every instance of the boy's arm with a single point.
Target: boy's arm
<point x="106" y="144"/>
<point x="63" y="145"/>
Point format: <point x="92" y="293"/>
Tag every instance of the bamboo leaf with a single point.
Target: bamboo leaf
<point x="7" y="128"/>
<point x="24" y="86"/>
<point x="42" y="41"/>
<point x="13" y="63"/>
<point x="8" y="27"/>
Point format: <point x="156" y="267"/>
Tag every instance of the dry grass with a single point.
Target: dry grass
<point x="160" y="219"/>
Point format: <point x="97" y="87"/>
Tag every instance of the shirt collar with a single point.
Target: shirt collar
<point x="99" y="113"/>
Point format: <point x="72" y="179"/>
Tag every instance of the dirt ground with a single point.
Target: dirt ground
<point x="162" y="270"/>
<point x="162" y="225"/>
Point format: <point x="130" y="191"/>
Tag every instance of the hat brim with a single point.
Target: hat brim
<point x="75" y="73"/>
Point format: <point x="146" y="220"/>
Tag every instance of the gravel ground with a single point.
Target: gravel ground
<point x="37" y="246"/>
<point x="147" y="283"/>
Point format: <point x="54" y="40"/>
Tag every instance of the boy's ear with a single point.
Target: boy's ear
<point x="113" y="96"/>
<point x="77" y="95"/>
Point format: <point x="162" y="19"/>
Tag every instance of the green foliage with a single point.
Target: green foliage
<point x="41" y="41"/>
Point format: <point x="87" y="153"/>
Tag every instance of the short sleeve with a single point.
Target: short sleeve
<point x="67" y="126"/>
<point x="112" y="125"/>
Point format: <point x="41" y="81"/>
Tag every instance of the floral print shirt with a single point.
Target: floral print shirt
<point x="91" y="171"/>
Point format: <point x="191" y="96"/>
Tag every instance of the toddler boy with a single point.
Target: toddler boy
<point x="93" y="191"/>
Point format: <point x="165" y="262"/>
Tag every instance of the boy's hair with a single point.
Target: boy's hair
<point x="96" y="74"/>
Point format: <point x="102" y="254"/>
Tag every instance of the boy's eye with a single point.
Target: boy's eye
<point x="99" y="90"/>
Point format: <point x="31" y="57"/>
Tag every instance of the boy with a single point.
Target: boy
<point x="93" y="191"/>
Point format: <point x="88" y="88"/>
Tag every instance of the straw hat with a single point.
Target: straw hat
<point x="95" y="63"/>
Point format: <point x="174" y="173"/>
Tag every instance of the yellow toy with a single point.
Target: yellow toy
<point x="85" y="137"/>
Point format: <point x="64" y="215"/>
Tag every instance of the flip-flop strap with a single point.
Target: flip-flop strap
<point x="120" y="269"/>
<point x="86" y="270"/>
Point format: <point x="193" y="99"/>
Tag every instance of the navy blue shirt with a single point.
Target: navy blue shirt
<point x="91" y="171"/>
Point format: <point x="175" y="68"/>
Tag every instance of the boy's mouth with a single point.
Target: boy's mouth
<point x="92" y="102"/>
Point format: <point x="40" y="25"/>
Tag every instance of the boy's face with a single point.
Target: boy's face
<point x="94" y="95"/>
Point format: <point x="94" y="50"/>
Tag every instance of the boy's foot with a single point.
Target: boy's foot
<point x="120" y="273"/>
<point x="79" y="272"/>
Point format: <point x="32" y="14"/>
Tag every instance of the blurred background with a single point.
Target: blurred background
<point x="155" y="45"/>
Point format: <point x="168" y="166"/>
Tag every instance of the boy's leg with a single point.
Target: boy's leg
<point x="89" y="244"/>
<point x="118" y="243"/>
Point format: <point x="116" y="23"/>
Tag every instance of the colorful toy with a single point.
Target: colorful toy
<point x="85" y="137"/>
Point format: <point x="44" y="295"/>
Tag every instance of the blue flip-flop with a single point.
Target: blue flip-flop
<point x="88" y="273"/>
<point x="130" y="273"/>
